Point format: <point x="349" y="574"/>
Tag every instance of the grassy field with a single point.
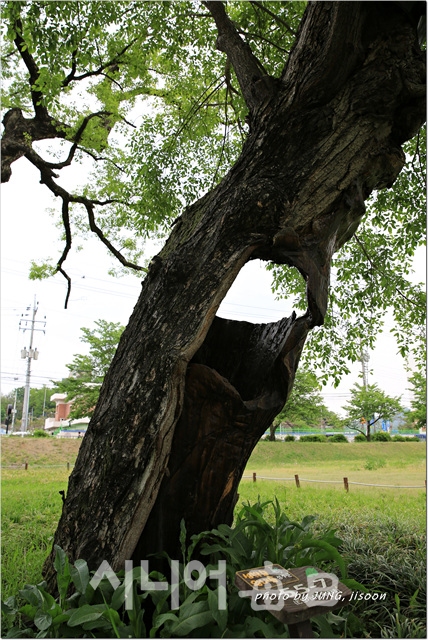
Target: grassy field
<point x="31" y="503"/>
<point x="379" y="463"/>
<point x="39" y="451"/>
<point x="397" y="463"/>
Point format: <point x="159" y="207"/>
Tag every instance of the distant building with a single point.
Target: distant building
<point x="62" y="413"/>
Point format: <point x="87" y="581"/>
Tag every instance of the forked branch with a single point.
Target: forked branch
<point x="256" y="86"/>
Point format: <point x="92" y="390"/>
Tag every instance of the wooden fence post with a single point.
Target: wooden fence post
<point x="68" y="466"/>
<point x="296" y="477"/>
<point x="26" y="466"/>
<point x="254" y="477"/>
<point x="345" y="482"/>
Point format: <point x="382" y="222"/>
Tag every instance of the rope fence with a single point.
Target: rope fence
<point x="297" y="479"/>
<point x="345" y="481"/>
<point x="25" y="465"/>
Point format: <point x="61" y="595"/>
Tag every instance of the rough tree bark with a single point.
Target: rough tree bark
<point x="188" y="394"/>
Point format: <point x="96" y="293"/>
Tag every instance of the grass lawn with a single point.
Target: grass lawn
<point x="397" y="463"/>
<point x="337" y="509"/>
<point x="31" y="503"/>
<point x="39" y="451"/>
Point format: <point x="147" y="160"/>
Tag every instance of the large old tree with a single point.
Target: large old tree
<point x="189" y="394"/>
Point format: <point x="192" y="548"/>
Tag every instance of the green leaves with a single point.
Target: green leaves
<point x="372" y="278"/>
<point x="79" y="574"/>
<point x="87" y="371"/>
<point x="174" y="117"/>
<point x="207" y="609"/>
<point x="370" y="405"/>
<point x="418" y="414"/>
<point x="86" y="613"/>
<point x="305" y="405"/>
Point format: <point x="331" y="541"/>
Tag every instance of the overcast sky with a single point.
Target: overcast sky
<point x="28" y="232"/>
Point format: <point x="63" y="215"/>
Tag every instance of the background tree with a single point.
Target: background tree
<point x="87" y="371"/>
<point x="417" y="417"/>
<point x="320" y="110"/>
<point x="371" y="405"/>
<point x="39" y="406"/>
<point x="305" y="406"/>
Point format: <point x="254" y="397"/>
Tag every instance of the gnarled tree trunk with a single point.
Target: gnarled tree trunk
<point x="188" y="394"/>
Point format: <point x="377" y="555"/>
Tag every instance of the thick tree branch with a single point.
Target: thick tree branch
<point x="30" y="63"/>
<point x="316" y="69"/>
<point x="255" y="85"/>
<point x="20" y="132"/>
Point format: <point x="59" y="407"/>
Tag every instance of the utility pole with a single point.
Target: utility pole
<point x="44" y="401"/>
<point x="29" y="355"/>
<point x="14" y="409"/>
<point x="365" y="366"/>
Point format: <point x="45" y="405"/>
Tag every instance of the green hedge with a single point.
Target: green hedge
<point x="381" y="436"/>
<point x="338" y="437"/>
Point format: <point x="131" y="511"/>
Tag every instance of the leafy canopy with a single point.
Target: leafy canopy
<point x="371" y="405"/>
<point x="87" y="371"/>
<point x="418" y="414"/>
<point x="138" y="93"/>
<point x="305" y="406"/>
<point x="164" y="115"/>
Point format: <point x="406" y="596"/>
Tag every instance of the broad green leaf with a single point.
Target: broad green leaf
<point x="29" y="610"/>
<point x="42" y="620"/>
<point x="79" y="574"/>
<point x="162" y="618"/>
<point x="60" y="561"/>
<point x="32" y="595"/>
<point x="192" y="622"/>
<point x="219" y="615"/>
<point x="87" y="613"/>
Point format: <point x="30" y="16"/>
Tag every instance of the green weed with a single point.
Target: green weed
<point x="374" y="463"/>
<point x="99" y="612"/>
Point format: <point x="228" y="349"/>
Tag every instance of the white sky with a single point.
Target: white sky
<point x="28" y="233"/>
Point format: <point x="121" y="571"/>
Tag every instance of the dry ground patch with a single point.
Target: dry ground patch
<point x="40" y="451"/>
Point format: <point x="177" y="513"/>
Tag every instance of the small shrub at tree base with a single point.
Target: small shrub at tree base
<point x="381" y="436"/>
<point x="289" y="438"/>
